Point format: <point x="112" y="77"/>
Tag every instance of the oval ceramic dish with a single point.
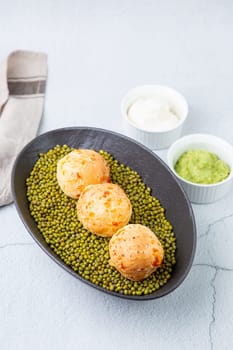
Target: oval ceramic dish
<point x="154" y="173"/>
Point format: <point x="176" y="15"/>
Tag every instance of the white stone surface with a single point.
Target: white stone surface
<point x="98" y="50"/>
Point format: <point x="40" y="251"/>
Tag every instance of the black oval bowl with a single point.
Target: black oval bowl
<point x="154" y="172"/>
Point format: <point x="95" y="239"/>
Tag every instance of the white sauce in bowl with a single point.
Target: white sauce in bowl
<point x="152" y="113"/>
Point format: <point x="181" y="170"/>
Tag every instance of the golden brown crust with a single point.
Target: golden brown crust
<point x="99" y="210"/>
<point x="79" y="169"/>
<point x="135" y="252"/>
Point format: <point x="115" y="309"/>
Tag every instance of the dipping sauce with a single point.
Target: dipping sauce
<point x="202" y="167"/>
<point x="152" y="113"/>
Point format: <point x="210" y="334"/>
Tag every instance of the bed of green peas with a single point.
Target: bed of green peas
<point x="86" y="253"/>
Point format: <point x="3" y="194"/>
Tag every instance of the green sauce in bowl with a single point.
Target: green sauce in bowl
<point x="202" y="167"/>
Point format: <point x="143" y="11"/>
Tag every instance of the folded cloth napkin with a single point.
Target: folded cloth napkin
<point x="22" y="89"/>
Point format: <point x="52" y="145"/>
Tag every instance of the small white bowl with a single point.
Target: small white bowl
<point x="155" y="139"/>
<point x="199" y="193"/>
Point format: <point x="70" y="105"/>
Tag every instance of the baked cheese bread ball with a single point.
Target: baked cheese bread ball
<point x="80" y="168"/>
<point x="103" y="209"/>
<point x="135" y="252"/>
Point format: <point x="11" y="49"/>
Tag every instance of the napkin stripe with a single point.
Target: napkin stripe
<point x="26" y="88"/>
<point x="24" y="97"/>
<point x="39" y="77"/>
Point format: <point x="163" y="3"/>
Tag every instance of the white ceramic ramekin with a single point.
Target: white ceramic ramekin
<point x="199" y="193"/>
<point x="155" y="139"/>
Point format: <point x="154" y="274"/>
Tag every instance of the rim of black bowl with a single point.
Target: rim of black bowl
<point x="155" y="295"/>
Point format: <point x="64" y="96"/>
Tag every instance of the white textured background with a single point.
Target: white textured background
<point x="98" y="50"/>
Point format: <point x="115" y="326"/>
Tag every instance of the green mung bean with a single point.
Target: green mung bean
<point x="86" y="253"/>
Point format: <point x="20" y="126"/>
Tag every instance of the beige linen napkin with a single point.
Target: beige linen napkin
<point x="22" y="89"/>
